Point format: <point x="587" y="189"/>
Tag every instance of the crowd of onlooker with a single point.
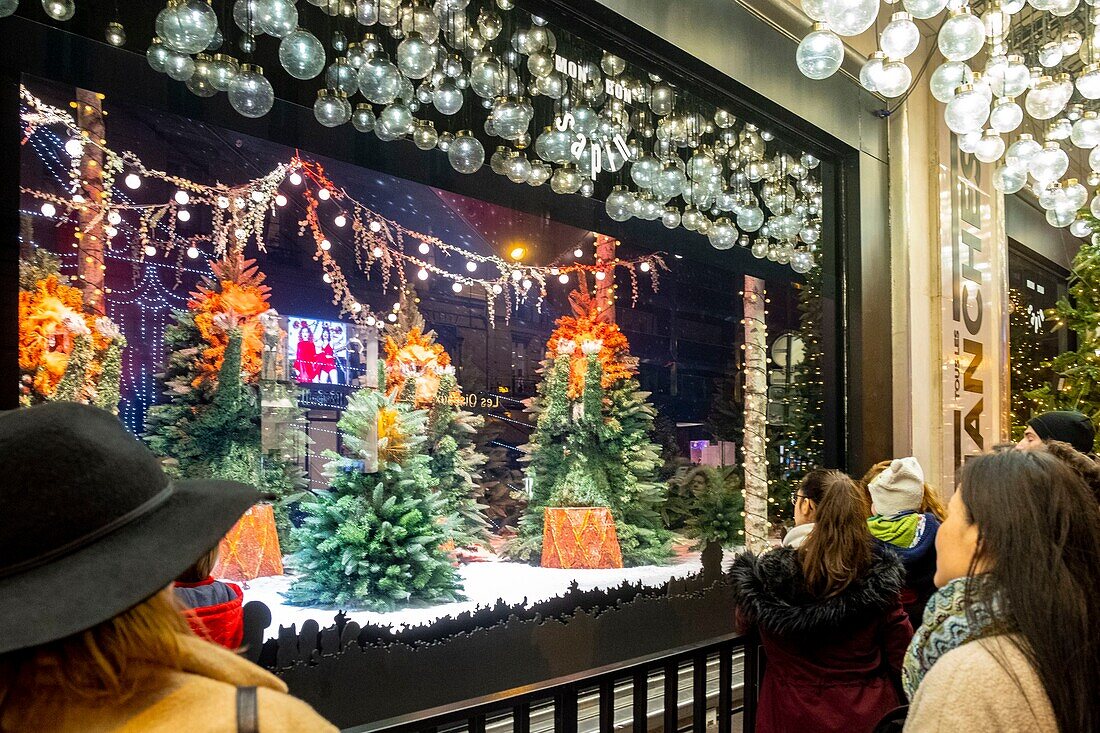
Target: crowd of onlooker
<point x="885" y="611"/>
<point x="881" y="610"/>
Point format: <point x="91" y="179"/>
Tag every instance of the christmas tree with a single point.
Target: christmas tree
<point x="420" y="375"/>
<point x="501" y="483"/>
<point x="592" y="441"/>
<point x="707" y="503"/>
<point x="372" y="540"/>
<point x="1029" y="374"/>
<point x="210" y="424"/>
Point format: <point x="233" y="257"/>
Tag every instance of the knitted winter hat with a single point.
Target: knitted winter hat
<point x="899" y="488"/>
<point x="1068" y="426"/>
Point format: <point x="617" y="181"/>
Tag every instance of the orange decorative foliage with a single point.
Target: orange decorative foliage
<point x="418" y="358"/>
<point x="590" y="323"/>
<point x="238" y="290"/>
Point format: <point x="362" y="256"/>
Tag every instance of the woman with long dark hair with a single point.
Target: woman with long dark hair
<point x="1011" y="641"/>
<point x="830" y="618"/>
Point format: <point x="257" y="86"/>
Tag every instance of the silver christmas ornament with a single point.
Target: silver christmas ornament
<point x="179" y="66"/>
<point x="363" y="117"/>
<point x="187" y="26"/>
<point x="115" y="34"/>
<point x="201" y="82"/>
<point x="331" y="108"/>
<point x="466" y="153"/>
<point x="379" y="80"/>
<point x="415" y="56"/>
<point x="222" y="70"/>
<point x="59" y="9"/>
<point x="157" y="54"/>
<point x="276" y="17"/>
<point x="301" y="54"/>
<point x="250" y="93"/>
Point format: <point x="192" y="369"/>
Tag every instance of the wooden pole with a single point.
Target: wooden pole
<point x="756" y="406"/>
<point x="605" y="288"/>
<point x="91" y="268"/>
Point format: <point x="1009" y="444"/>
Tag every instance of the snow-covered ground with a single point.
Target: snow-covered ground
<point x="483" y="584"/>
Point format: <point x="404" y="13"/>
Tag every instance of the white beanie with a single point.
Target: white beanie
<point x="899" y="488"/>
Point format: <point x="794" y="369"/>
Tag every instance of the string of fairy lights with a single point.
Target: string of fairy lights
<point x="238" y="214"/>
<point x="756" y="416"/>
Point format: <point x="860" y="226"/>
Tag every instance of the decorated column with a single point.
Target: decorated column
<point x="605" y="285"/>
<point x="93" y="236"/>
<point x="756" y="405"/>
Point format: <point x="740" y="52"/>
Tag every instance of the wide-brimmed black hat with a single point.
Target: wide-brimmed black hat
<point x="91" y="525"/>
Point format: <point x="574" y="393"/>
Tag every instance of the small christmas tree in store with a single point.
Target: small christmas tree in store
<point x="1029" y="374"/>
<point x="419" y="374"/>
<point x="592" y="443"/>
<point x="372" y="540"/>
<point x="1078" y="372"/>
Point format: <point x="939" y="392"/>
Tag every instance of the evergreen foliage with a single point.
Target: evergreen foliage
<point x="1029" y="374"/>
<point x="372" y="540"/>
<point x="708" y="503"/>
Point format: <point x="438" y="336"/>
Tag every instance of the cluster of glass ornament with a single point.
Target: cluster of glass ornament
<point x="674" y="158"/>
<point x="1025" y="68"/>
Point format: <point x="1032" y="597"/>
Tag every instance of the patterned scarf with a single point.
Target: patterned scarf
<point x="945" y="626"/>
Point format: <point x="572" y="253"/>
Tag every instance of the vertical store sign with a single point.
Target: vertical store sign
<point x="974" y="319"/>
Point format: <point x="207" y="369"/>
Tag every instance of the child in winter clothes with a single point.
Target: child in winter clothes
<point x="213" y="608"/>
<point x="899" y="527"/>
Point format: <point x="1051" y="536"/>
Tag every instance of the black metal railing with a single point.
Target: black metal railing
<point x="684" y="689"/>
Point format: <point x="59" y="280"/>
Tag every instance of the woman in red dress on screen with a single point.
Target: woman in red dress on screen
<point x="326" y="357"/>
<point x="305" y="359"/>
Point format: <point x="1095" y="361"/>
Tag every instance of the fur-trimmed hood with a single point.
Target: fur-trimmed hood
<point x="770" y="591"/>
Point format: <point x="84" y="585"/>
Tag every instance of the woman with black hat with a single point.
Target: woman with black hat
<point x="90" y="637"/>
<point x="1068" y="426"/>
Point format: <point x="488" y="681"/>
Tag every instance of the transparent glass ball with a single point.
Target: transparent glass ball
<point x="179" y="66"/>
<point x="540" y="173"/>
<point x="585" y="120"/>
<point x="447" y="98"/>
<point x="511" y="117"/>
<point x="466" y="153"/>
<point x="759" y="249"/>
<point x="1020" y="153"/>
<point x="1045" y="100"/>
<point x="900" y="36"/>
<point x="819" y="54"/>
<point x="1094" y="159"/>
<point x="540" y="63"/>
<point x="870" y="71"/>
<point x="894" y="78"/>
<point x="850" y="17"/>
<point x="379" y="80"/>
<point x="341" y="77"/>
<point x="967" y="112"/>
<point x="924" y="8"/>
<point x="1094" y="206"/>
<point x="59" y="9"/>
<point x="947" y="78"/>
<point x="362" y="119"/>
<point x="1086" y="131"/>
<point x="619" y="204"/>
<point x="723" y="234"/>
<point x="1088" y="82"/>
<point x="670" y="217"/>
<point x="424" y="136"/>
<point x="1009" y="179"/>
<point x="186" y="26"/>
<point x="968" y="141"/>
<point x="415" y="56"/>
<point x="1050" y="54"/>
<point x="961" y="36"/>
<point x="750" y="219"/>
<point x="250" y="93"/>
<point x="331" y="109"/>
<point x="201" y="82"/>
<point x="276" y="17"/>
<point x="223" y="69"/>
<point x="1076" y="195"/>
<point x="566" y="179"/>
<point x="1061" y="218"/>
<point x="489" y="24"/>
<point x="157" y="55"/>
<point x="1016" y="78"/>
<point x="301" y="54"/>
<point x="990" y="148"/>
<point x="671" y="180"/>
<point x="1080" y="228"/>
<point x="339" y="41"/>
<point x="384" y="133"/>
<point x="518" y="169"/>
<point x="114" y="35"/>
<point x="644" y="171"/>
<point x="553" y="145"/>
<point x="1049" y="164"/>
<point x="1006" y="115"/>
<point x="7" y="7"/>
<point x="487" y="77"/>
<point x="398" y="118"/>
<point x="662" y="98"/>
<point x="802" y="262"/>
<point x="419" y="18"/>
<point x="366" y="12"/>
<point x="244" y="15"/>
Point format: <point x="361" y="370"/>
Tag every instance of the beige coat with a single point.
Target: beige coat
<point x="202" y="698"/>
<point x="968" y="690"/>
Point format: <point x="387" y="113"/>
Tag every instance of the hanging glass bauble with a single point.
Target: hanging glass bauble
<point x="511" y="116"/>
<point x="1061" y="218"/>
<point x="332" y="108"/>
<point x="388" y="12"/>
<point x="7" y="7"/>
<point x="611" y="64"/>
<point x="341" y="77"/>
<point x="339" y="41"/>
<point x="990" y="148"/>
<point x="894" y="78"/>
<point x="415" y="56"/>
<point x="961" y="36"/>
<point x="447" y="98"/>
<point x="200" y="83"/>
<point x="802" y="262"/>
<point x="179" y="66"/>
<point x="1094" y="159"/>
<point x="553" y="145"/>
<point x="924" y="9"/>
<point x="187" y="26"/>
<point x="644" y="171"/>
<point x="379" y="80"/>
<point x="114" y="35"/>
<point x="1045" y="100"/>
<point x="301" y="54"/>
<point x="1094" y="206"/>
<point x="466" y="153"/>
<point x="968" y="111"/>
<point x="518" y="168"/>
<point x="1080" y="228"/>
<point x="157" y="55"/>
<point x="947" y="78"/>
<point x="540" y="173"/>
<point x="222" y="70"/>
<point x="552" y="85"/>
<point x="244" y="15"/>
<point x="217" y="41"/>
<point x="900" y="36"/>
<point x="1008" y="179"/>
<point x="247" y="44"/>
<point x="1049" y="164"/>
<point x="814" y="9"/>
<point x="276" y="17"/>
<point x="59" y="9"/>
<point x="750" y="219"/>
<point x="670" y="217"/>
<point x="1088" y="81"/>
<point x="424" y="135"/>
<point x="384" y="133"/>
<point x="870" y="71"/>
<point x="1062" y="8"/>
<point x="1076" y="195"/>
<point x="356" y="55"/>
<point x="1020" y="153"/>
<point x="1015" y="79"/>
<point x="671" y="179"/>
<point x="1086" y="131"/>
<point x="497" y="159"/>
<point x="362" y="119"/>
<point x="620" y="203"/>
<point x="366" y="12"/>
<point x="850" y="17"/>
<point x="1006" y="115"/>
<point x="566" y="179"/>
<point x="487" y="76"/>
<point x="819" y="54"/>
<point x="662" y="99"/>
<point x="488" y="24"/>
<point x="1050" y="54"/>
<point x="723" y="234"/>
<point x="398" y="119"/>
<point x="759" y="249"/>
<point x="250" y="92"/>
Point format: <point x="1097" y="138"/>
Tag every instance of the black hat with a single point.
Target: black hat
<point x="91" y="525"/>
<point x="1068" y="426"/>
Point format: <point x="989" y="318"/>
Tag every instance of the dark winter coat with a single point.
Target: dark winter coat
<point x="919" y="562"/>
<point x="214" y="610"/>
<point x="833" y="664"/>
